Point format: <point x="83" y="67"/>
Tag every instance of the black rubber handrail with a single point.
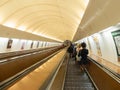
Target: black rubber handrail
<point x="14" y="58"/>
<point x="17" y="53"/>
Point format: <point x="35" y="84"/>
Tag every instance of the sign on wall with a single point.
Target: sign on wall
<point x="116" y="37"/>
<point x="31" y="45"/>
<point x="95" y="38"/>
<point x="37" y="44"/>
<point x="23" y="44"/>
<point x="9" y="44"/>
<point x="89" y="45"/>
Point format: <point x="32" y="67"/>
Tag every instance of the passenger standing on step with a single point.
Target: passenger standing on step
<point x="78" y="49"/>
<point x="83" y="53"/>
<point x="70" y="50"/>
<point x="74" y="51"/>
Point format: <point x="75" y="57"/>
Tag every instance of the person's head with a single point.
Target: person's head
<point x="83" y="45"/>
<point x="78" y="45"/>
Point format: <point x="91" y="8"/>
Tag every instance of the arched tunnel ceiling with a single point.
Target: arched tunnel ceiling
<point x="58" y="19"/>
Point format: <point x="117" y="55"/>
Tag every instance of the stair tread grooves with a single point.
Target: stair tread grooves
<point x="76" y="80"/>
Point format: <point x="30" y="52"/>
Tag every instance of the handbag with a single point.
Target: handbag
<point x="78" y="58"/>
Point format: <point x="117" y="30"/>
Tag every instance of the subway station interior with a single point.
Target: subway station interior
<point x="35" y="37"/>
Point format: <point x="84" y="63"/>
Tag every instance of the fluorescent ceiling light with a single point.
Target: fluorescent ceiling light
<point x="22" y="28"/>
<point x="10" y="24"/>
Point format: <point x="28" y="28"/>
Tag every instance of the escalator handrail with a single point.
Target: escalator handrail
<point x="113" y="74"/>
<point x="15" y="57"/>
<point x="57" y="70"/>
<point x="22" y="52"/>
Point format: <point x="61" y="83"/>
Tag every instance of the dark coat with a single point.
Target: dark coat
<point x="70" y="49"/>
<point x="83" y="53"/>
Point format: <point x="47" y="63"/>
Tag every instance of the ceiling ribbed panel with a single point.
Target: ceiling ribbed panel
<point x="58" y="19"/>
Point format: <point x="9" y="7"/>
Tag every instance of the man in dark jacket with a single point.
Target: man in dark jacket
<point x="83" y="53"/>
<point x="70" y="50"/>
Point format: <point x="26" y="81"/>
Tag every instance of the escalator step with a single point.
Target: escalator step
<point x="79" y="88"/>
<point x="75" y="79"/>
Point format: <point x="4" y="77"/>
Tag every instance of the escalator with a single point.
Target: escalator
<point x="76" y="79"/>
<point x="12" y="67"/>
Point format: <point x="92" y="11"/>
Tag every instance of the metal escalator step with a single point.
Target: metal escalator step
<point x="76" y="80"/>
<point x="79" y="88"/>
<point x="78" y="84"/>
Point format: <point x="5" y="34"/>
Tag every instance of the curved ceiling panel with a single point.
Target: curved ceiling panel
<point x="58" y="19"/>
<point x="3" y="2"/>
<point x="99" y="15"/>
